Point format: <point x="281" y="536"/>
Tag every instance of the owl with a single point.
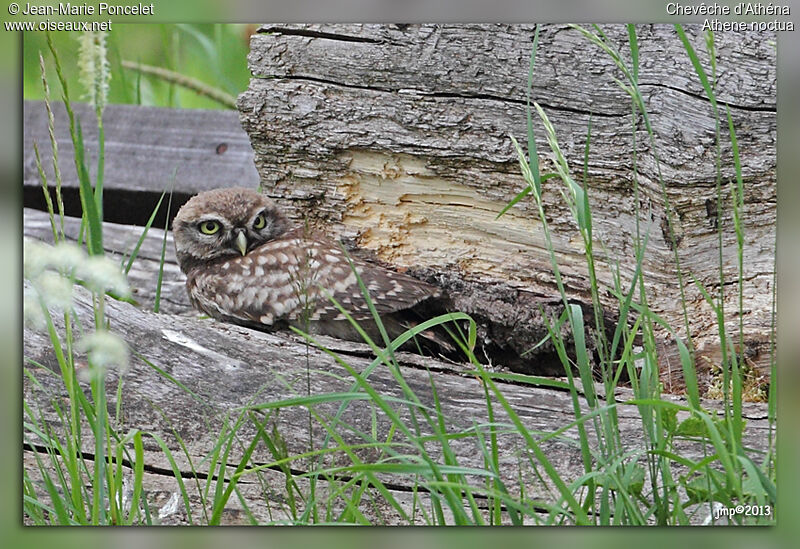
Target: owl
<point x="246" y="264"/>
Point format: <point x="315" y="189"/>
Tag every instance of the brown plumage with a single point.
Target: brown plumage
<point x="245" y="264"/>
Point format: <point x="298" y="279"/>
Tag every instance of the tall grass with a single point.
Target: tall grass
<point x="659" y="426"/>
<point x="411" y="440"/>
<point x="97" y="490"/>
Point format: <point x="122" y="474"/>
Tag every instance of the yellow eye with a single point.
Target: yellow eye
<point x="209" y="227"/>
<point x="260" y="222"/>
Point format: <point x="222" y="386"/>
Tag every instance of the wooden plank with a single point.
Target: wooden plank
<point x="229" y="367"/>
<point x="144" y="146"/>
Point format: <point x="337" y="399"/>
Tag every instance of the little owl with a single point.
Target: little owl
<point x="245" y="264"/>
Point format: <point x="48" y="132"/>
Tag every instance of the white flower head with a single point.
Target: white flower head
<point x="35" y="258"/>
<point x="32" y="311"/>
<point x="38" y="257"/>
<point x="104" y="350"/>
<point x="54" y="290"/>
<point x="67" y="256"/>
<point x="101" y="274"/>
<point x="50" y="273"/>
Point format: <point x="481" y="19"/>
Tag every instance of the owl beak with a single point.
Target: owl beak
<point x="241" y="242"/>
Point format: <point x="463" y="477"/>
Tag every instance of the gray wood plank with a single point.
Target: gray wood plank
<point x="143" y="147"/>
<point x="229" y="367"/>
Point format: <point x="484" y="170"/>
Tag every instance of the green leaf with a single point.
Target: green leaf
<point x="669" y="420"/>
<point x="689" y="374"/>
<point x="757" y="483"/>
<point x="90" y="210"/>
<point x="635" y="479"/>
<point x="701" y="488"/>
<point x="692" y="427"/>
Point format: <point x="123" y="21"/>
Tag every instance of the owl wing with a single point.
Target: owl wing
<point x="331" y="275"/>
<point x="392" y="294"/>
<point x="389" y="291"/>
<point x="293" y="278"/>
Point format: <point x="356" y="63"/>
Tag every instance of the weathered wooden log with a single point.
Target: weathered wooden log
<point x="397" y="137"/>
<point x="227" y="367"/>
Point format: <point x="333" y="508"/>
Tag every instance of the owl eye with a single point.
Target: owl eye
<point x="209" y="227"/>
<point x="260" y="222"/>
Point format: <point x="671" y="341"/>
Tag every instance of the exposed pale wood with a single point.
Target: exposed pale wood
<point x="397" y="136"/>
<point x="229" y="367"/>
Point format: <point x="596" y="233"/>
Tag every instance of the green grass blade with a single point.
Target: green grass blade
<point x="584" y="367"/>
<point x="634" y="47"/>
<point x="176" y="472"/>
<point x="689" y="374"/>
<point x="45" y="190"/>
<point x="757" y="475"/>
<point x="698" y="67"/>
<point x="88" y="204"/>
<point x="159" y="282"/>
<point x="525" y="192"/>
<point x="138" y="476"/>
<point x="135" y="251"/>
<point x="533" y="156"/>
<point x="220" y="502"/>
<point x="580" y="515"/>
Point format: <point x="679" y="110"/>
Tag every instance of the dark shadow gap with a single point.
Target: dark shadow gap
<point x="119" y="206"/>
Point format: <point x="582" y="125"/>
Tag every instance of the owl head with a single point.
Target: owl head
<point x="223" y="223"/>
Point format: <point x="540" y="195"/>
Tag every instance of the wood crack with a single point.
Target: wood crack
<point x="192" y="475"/>
<point x="437" y="95"/>
<point x="702" y="97"/>
<point x="318" y="34"/>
